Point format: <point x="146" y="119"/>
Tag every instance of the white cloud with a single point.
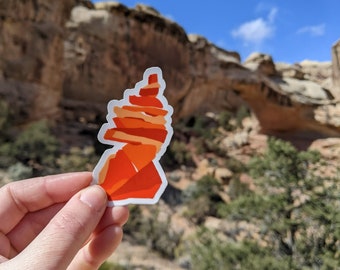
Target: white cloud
<point x="272" y="15"/>
<point x="256" y="31"/>
<point x="313" y="30"/>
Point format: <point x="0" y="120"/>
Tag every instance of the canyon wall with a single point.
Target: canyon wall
<point x="108" y="46"/>
<point x="66" y="59"/>
<point x="31" y="62"/>
<point x="336" y="69"/>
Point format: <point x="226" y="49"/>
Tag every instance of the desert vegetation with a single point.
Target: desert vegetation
<point x="285" y="217"/>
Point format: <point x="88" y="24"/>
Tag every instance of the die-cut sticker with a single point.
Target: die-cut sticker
<point x="139" y="129"/>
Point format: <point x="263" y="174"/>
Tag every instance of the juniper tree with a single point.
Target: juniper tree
<point x="298" y="206"/>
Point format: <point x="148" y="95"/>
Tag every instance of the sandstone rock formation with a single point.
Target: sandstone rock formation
<point x="336" y="68"/>
<point x="318" y="72"/>
<point x="261" y="62"/>
<point x="107" y="46"/>
<point x="281" y="106"/>
<point x="290" y="71"/>
<point x="31" y="49"/>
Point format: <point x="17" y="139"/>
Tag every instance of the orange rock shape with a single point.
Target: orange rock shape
<point x="139" y="128"/>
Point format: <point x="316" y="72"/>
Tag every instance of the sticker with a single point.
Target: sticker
<point x="139" y="129"/>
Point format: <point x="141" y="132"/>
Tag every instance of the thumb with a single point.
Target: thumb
<point x="66" y="233"/>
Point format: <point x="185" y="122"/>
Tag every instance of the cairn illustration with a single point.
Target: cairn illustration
<point x="139" y="128"/>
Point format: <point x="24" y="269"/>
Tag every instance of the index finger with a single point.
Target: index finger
<point x="19" y="198"/>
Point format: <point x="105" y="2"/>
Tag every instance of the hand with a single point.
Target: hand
<point x="57" y="222"/>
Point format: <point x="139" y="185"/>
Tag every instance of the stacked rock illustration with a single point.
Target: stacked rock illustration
<point x="139" y="128"/>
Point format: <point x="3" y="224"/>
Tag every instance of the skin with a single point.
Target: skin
<point x="57" y="222"/>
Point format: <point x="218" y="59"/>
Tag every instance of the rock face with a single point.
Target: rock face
<point x="107" y="48"/>
<point x="336" y="68"/>
<point x="31" y="49"/>
<point x="85" y="61"/>
<point x="108" y="45"/>
<point x="262" y="63"/>
<point x="318" y="72"/>
<point x="284" y="104"/>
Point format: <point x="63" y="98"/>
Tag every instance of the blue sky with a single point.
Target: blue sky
<point x="290" y="31"/>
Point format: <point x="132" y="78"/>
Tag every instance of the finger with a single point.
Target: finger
<point x="33" y="223"/>
<point x="4" y="247"/>
<point x="29" y="227"/>
<point x="30" y="195"/>
<point x="63" y="237"/>
<point x="117" y="215"/>
<point x="113" y="216"/>
<point x="3" y="259"/>
<point x="94" y="253"/>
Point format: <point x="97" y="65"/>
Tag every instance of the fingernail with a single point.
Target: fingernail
<point x="94" y="196"/>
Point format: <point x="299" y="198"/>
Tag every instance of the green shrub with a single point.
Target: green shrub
<point x="224" y="118"/>
<point x="34" y="147"/>
<point x="151" y="232"/>
<point x="246" y="207"/>
<point x="6" y="155"/>
<point x="112" y="266"/>
<point x="202" y="199"/>
<point x="6" y="158"/>
<point x="235" y="165"/>
<point x="162" y="238"/>
<point x="241" y="113"/>
<point x="237" y="188"/>
<point x="204" y="127"/>
<point x="232" y="120"/>
<point x="4" y="116"/>
<point x="197" y="126"/>
<point x="36" y="144"/>
<point x="177" y="154"/>
<point x="208" y="251"/>
<point x="19" y="171"/>
<point x="78" y="160"/>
